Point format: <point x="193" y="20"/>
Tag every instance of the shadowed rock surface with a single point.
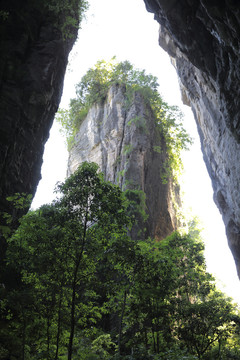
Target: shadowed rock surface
<point x="202" y="37"/>
<point x="34" y="47"/>
<point x="122" y="142"/>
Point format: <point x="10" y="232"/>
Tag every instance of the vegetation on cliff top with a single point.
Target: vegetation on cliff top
<point x="93" y="89"/>
<point x="65" y="15"/>
<point x="69" y="14"/>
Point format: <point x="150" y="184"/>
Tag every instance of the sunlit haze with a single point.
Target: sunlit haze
<point x="123" y="28"/>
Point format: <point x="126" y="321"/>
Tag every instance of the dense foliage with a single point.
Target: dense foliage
<point x="93" y="88"/>
<point x="77" y="287"/>
<point x="68" y="14"/>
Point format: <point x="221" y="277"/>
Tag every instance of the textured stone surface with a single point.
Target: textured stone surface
<point x="202" y="37"/>
<point x="122" y="143"/>
<point x="32" y="66"/>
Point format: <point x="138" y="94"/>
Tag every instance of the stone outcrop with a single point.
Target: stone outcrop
<point x="202" y="37"/>
<point x="125" y="143"/>
<point x="34" y="47"/>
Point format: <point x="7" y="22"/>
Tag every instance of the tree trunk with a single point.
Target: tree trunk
<point x="146" y="339"/>
<point x="23" y="337"/>
<point x="154" y="342"/>
<point x="121" y="322"/>
<point x="48" y="336"/>
<point x="74" y="288"/>
<point x="58" y="324"/>
<point x="72" y="319"/>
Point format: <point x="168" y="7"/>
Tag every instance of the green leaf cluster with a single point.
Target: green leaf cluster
<point x="19" y="202"/>
<point x="68" y="14"/>
<point x="4" y="15"/>
<point x="76" y="286"/>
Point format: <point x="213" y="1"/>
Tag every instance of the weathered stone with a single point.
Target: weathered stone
<point x="34" y="52"/>
<point x="203" y="39"/>
<point x="122" y="142"/>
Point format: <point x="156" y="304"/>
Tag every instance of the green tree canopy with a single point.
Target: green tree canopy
<point x="54" y="254"/>
<point x="79" y="287"/>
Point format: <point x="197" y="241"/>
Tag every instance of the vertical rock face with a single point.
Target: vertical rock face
<point x="34" y="52"/>
<point x="124" y="143"/>
<point x="203" y="39"/>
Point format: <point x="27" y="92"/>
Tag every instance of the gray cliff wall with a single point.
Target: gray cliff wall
<point x="34" y="54"/>
<point x="122" y="143"/>
<point x="202" y="37"/>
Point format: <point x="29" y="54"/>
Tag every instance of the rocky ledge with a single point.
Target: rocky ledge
<point x="202" y="37"/>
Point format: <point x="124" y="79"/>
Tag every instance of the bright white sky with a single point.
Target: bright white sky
<point x="123" y="28"/>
